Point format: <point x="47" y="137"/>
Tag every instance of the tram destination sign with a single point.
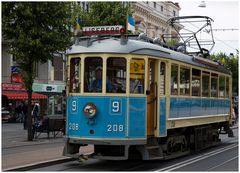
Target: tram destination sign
<point x="101" y="30"/>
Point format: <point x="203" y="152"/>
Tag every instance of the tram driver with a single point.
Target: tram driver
<point x="97" y="83"/>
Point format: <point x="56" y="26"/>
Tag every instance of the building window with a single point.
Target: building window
<point x="205" y="84"/>
<point x="83" y="5"/>
<point x="116" y="75"/>
<point x="174" y="79"/>
<point x="174" y="13"/>
<point x="154" y="4"/>
<point x="87" y="7"/>
<point x="184" y="81"/>
<point x="58" y="68"/>
<point x="196" y="82"/>
<point x="161" y="8"/>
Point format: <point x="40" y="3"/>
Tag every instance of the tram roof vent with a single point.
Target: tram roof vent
<point x="83" y="41"/>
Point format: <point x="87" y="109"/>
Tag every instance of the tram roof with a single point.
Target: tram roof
<point x="115" y="46"/>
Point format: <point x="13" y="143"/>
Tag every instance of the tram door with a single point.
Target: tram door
<point x="151" y="97"/>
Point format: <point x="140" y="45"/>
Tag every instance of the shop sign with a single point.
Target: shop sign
<point x="16" y="78"/>
<point x="101" y="30"/>
<point x="47" y="88"/>
<point x="13" y="86"/>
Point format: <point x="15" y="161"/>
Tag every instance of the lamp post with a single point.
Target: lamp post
<point x="202" y="4"/>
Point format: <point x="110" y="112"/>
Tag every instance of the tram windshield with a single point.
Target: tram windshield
<point x="75" y="70"/>
<point x="116" y="75"/>
<point x="115" y="81"/>
<point x="93" y="74"/>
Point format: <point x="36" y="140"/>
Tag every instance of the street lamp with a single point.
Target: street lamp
<point x="202" y="4"/>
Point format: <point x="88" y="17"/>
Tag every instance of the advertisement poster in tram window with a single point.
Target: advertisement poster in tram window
<point x="137" y="69"/>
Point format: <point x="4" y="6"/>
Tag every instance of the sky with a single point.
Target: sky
<point x="225" y="15"/>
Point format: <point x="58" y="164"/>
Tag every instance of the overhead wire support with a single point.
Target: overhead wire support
<point x="201" y="28"/>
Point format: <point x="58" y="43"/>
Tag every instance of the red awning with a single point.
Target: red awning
<point x="23" y="95"/>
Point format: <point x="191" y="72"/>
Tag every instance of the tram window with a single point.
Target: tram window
<point x="227" y="87"/>
<point x="205" y="84"/>
<point x="75" y="71"/>
<point x="184" y="81"/>
<point x="196" y="82"/>
<point x="174" y="79"/>
<point x="162" y="78"/>
<point x="116" y="75"/>
<point x="214" y="85"/>
<point x="137" y="69"/>
<point x="221" y="86"/>
<point x="93" y="74"/>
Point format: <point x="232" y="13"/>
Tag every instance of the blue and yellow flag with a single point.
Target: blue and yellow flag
<point x="78" y="23"/>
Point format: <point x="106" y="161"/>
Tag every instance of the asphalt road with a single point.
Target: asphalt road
<point x="223" y="157"/>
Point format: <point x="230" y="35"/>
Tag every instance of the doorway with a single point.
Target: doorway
<point x="152" y="97"/>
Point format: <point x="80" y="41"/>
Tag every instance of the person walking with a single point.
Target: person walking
<point x="25" y="114"/>
<point x="35" y="112"/>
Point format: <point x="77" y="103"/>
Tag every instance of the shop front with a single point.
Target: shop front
<point x="56" y="104"/>
<point x="14" y="96"/>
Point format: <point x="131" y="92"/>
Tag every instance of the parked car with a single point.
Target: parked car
<point x="6" y="116"/>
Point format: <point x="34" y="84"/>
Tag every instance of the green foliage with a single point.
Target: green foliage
<point x="172" y="42"/>
<point x="105" y="13"/>
<point x="36" y="30"/>
<point x="231" y="63"/>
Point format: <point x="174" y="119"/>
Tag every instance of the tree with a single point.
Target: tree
<point x="231" y="63"/>
<point x="105" y="13"/>
<point x="36" y="31"/>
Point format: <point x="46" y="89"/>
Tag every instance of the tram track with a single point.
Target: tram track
<point x="196" y="159"/>
<point x="128" y="166"/>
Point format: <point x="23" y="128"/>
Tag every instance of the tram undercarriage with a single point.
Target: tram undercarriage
<point x="179" y="142"/>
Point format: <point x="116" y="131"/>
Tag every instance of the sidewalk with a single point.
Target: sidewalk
<point x="18" y="152"/>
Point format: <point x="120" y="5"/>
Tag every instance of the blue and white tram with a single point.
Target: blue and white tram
<point x="131" y="98"/>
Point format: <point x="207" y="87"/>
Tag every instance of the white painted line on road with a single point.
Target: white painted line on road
<point x="223" y="163"/>
<point x="198" y="158"/>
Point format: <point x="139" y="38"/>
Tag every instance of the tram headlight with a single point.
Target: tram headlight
<point x="90" y="110"/>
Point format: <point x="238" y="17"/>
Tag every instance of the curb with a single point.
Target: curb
<point x="234" y="127"/>
<point x="39" y="164"/>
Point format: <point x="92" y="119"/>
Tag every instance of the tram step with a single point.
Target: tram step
<point x="156" y="158"/>
<point x="150" y="147"/>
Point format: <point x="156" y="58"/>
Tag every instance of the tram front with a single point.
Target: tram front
<point x="106" y="104"/>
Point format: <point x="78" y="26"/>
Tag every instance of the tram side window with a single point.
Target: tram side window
<point x="174" y="79"/>
<point x="184" y="81"/>
<point x="116" y="75"/>
<point x="137" y="69"/>
<point x="205" y="84"/>
<point x="93" y="74"/>
<point x="221" y="86"/>
<point x="75" y="71"/>
<point x="214" y="85"/>
<point x="196" y="82"/>
<point x="227" y="87"/>
<point x="162" y="78"/>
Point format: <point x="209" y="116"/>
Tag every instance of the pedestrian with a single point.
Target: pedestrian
<point x="233" y="116"/>
<point x="35" y="112"/>
<point x="25" y="114"/>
